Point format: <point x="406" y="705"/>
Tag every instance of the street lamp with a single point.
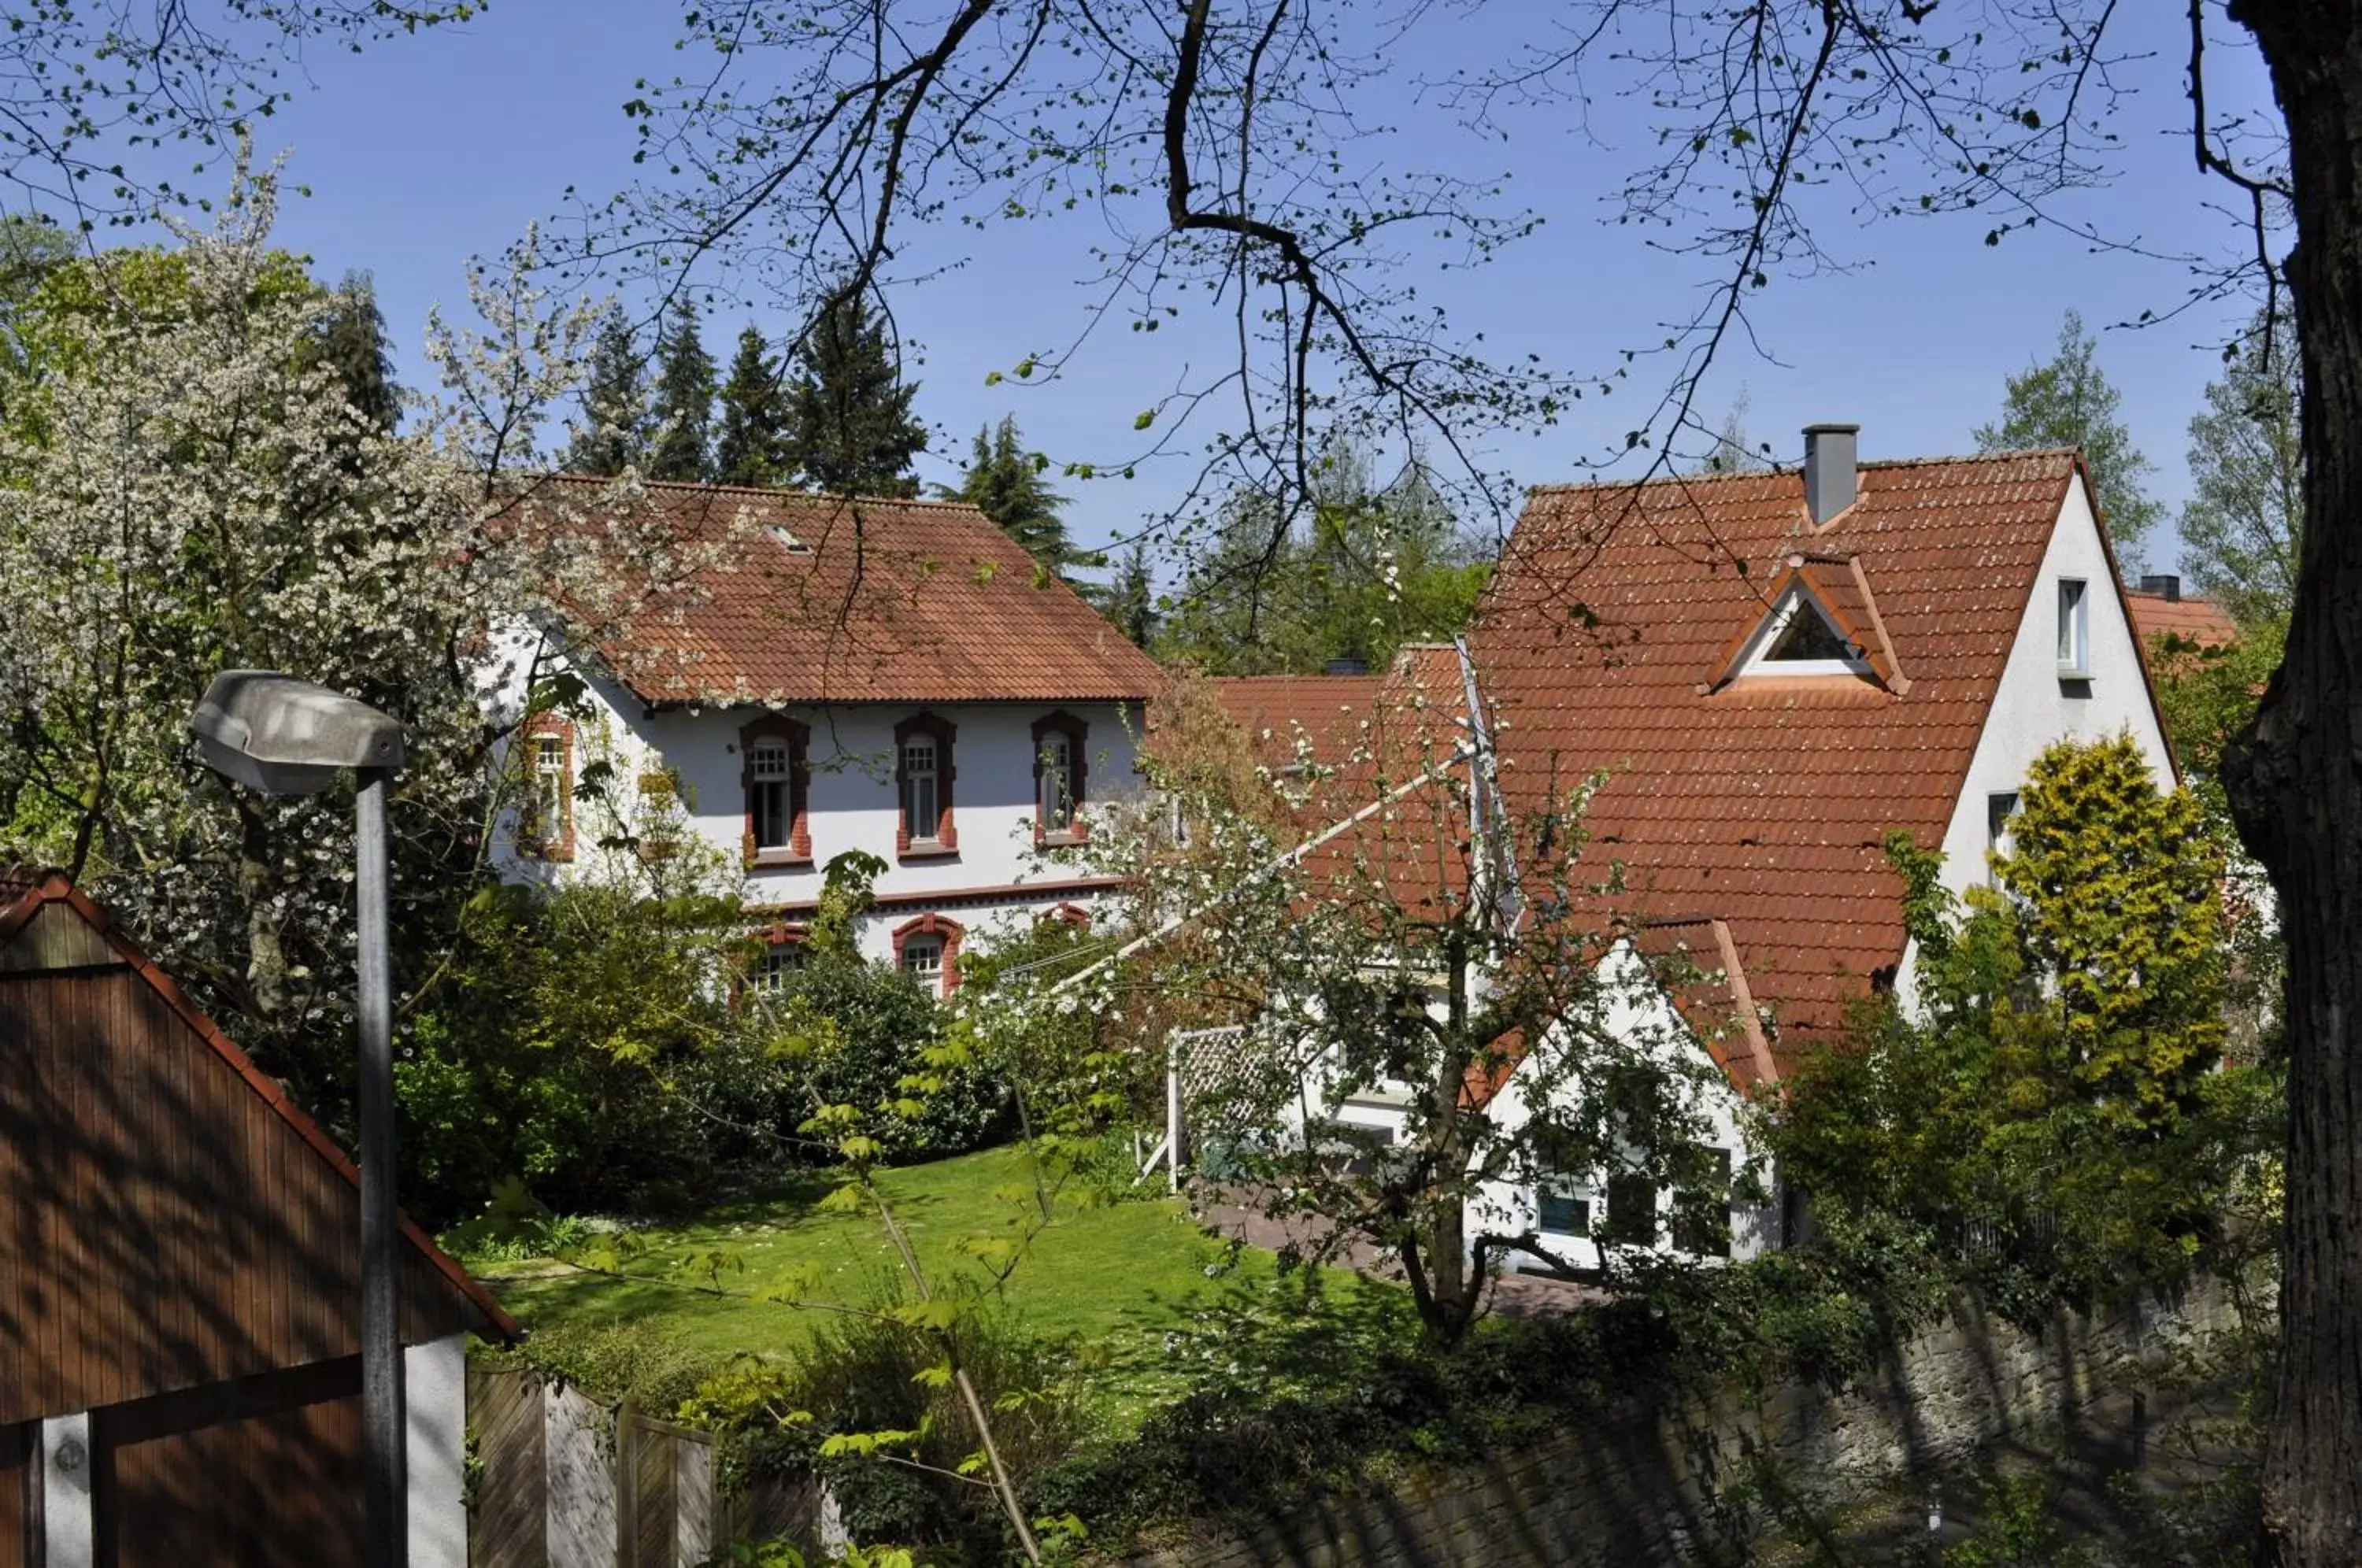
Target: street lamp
<point x="284" y="736"/>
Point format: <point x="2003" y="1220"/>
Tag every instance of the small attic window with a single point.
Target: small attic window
<point x="1797" y="638"/>
<point x="788" y="540"/>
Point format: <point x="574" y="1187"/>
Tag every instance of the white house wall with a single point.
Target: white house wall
<point x="853" y="802"/>
<point x="2033" y="708"/>
<point x="1636" y="1010"/>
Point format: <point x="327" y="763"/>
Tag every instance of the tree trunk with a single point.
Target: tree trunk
<point x="2295" y="782"/>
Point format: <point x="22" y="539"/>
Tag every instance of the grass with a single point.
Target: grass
<point x="1113" y="1278"/>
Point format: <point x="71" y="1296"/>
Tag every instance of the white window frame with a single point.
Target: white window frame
<point x="1054" y="790"/>
<point x="2074" y="629"/>
<point x="1997" y="835"/>
<point x="779" y="960"/>
<point x="553" y="807"/>
<point x="1757" y="660"/>
<point x="915" y="778"/>
<point x="923" y="946"/>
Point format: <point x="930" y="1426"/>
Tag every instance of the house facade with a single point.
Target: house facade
<point x="179" y="1261"/>
<point x="1771" y="672"/>
<point x="893" y="677"/>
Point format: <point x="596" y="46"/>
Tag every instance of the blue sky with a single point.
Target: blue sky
<point x="422" y="152"/>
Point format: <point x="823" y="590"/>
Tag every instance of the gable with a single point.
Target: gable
<point x="167" y="1220"/>
<point x="1763" y="802"/>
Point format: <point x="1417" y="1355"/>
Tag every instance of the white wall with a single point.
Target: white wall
<point x="2033" y="708"/>
<point x="1636" y="1011"/>
<point x="853" y="801"/>
<point x="434" y="1405"/>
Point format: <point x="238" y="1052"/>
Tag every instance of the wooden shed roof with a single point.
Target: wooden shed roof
<point x="167" y="1218"/>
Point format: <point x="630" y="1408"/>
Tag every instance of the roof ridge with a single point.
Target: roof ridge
<point x="1780" y="470"/>
<point x="773" y="493"/>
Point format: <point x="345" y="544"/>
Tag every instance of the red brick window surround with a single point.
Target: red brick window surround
<point x="781" y="954"/>
<point x="776" y="773"/>
<point x="1059" y="768"/>
<point x="923" y="773"/>
<point x="1071" y="914"/>
<point x="545" y="814"/>
<point x="928" y="949"/>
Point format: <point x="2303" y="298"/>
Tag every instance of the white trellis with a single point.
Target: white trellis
<point x="1204" y="1069"/>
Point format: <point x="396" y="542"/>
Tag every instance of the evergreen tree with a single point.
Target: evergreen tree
<point x="1130" y="600"/>
<point x="2240" y="527"/>
<point x="1006" y="484"/>
<point x="680" y="418"/>
<point x="850" y="427"/>
<point x="353" y="341"/>
<point x="751" y="447"/>
<point x="612" y="433"/>
<point x="2068" y="402"/>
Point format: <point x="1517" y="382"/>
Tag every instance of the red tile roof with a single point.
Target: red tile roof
<point x="834" y="601"/>
<point x="2200" y="621"/>
<point x="1761" y="803"/>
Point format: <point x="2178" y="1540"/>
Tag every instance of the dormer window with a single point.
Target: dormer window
<point x="1822" y="621"/>
<point x="1798" y="638"/>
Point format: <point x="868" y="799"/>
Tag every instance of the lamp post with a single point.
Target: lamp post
<point x="284" y="736"/>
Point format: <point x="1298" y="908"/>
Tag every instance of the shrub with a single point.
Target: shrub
<point x="851" y="1032"/>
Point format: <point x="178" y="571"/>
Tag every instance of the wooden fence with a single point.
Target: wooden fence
<point x="565" y="1482"/>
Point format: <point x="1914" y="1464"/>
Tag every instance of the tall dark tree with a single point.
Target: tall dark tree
<point x="680" y="415"/>
<point x="1005" y="483"/>
<point x="2067" y="401"/>
<point x="354" y="341"/>
<point x="750" y="446"/>
<point x="2241" y="527"/>
<point x="611" y="434"/>
<point x="850" y="428"/>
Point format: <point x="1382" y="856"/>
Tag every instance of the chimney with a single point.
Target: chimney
<point x="1830" y="477"/>
<point x="2165" y="587"/>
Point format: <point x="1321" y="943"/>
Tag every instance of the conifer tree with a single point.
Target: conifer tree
<point x="612" y="433"/>
<point x="680" y="417"/>
<point x="1005" y="483"/>
<point x="2068" y="402"/>
<point x="851" y="431"/>
<point x="352" y="339"/>
<point x="1130" y="600"/>
<point x="750" y="445"/>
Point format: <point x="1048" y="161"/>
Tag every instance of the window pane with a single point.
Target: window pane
<point x="921" y="808"/>
<point x="924" y="956"/>
<point x="1056" y="803"/>
<point x="1564" y="1214"/>
<point x="2073" y="640"/>
<point x="773" y="828"/>
<point x="1632" y="1210"/>
<point x="1702" y="1212"/>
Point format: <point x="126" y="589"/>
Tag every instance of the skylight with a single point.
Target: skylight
<point x="794" y="545"/>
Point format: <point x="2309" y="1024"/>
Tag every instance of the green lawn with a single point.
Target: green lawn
<point x="1115" y="1277"/>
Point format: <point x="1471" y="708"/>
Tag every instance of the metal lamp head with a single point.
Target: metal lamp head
<point x="284" y="736"/>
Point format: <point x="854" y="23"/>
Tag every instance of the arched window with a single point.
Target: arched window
<point x="782" y="955"/>
<point x="1058" y="774"/>
<point x="777" y="775"/>
<point x="923" y="774"/>
<point x="927" y="949"/>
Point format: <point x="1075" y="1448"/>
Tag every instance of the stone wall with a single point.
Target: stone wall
<point x="1643" y="1485"/>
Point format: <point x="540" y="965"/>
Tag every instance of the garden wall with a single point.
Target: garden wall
<point x="1655" y="1485"/>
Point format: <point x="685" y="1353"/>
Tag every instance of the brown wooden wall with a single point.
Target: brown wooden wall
<point x="19" y="1447"/>
<point x="162" y="1226"/>
<point x="265" y="1472"/>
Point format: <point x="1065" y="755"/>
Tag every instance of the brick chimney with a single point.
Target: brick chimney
<point x="2165" y="587"/>
<point x="1832" y="475"/>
